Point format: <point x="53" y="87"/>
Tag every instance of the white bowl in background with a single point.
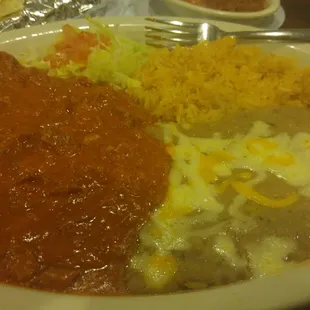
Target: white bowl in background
<point x="183" y="8"/>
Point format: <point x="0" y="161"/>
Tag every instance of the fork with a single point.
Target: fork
<point x="185" y="33"/>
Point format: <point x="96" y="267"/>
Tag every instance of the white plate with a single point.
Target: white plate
<point x="274" y="292"/>
<point x="275" y="21"/>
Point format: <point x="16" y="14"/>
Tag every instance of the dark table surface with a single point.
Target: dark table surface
<point x="297" y="13"/>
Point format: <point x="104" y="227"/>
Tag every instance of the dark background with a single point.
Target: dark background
<point x="297" y="13"/>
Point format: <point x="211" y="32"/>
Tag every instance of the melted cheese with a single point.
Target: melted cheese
<point x="259" y="145"/>
<point x="269" y="256"/>
<point x="225" y="246"/>
<point x="159" y="271"/>
<point x="247" y="191"/>
<point x="198" y="165"/>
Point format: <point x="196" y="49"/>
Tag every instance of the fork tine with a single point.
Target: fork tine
<point x="172" y="22"/>
<point x="172" y="31"/>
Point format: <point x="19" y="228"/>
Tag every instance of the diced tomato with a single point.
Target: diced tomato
<point x="75" y="46"/>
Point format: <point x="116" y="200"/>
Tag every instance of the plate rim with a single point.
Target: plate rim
<point x="255" y="294"/>
<point x="123" y="21"/>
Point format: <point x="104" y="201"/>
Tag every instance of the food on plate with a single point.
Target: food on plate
<point x="8" y="7"/>
<point x="75" y="46"/>
<point x="77" y="180"/>
<point x="126" y="169"/>
<point x="80" y="53"/>
<point x="187" y="85"/>
<point x="237" y="203"/>
<point x="207" y="81"/>
<point x="232" y="5"/>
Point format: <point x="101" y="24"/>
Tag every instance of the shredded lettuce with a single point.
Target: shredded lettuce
<point x="116" y="63"/>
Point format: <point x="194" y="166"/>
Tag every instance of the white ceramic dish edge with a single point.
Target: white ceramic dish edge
<point x="272" y="22"/>
<point x="180" y="6"/>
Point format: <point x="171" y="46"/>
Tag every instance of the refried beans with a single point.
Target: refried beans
<point x="79" y="176"/>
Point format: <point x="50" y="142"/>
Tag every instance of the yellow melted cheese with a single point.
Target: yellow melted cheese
<point x="270" y="255"/>
<point x="198" y="165"/>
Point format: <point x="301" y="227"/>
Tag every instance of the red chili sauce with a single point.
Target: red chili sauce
<point x="79" y="176"/>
